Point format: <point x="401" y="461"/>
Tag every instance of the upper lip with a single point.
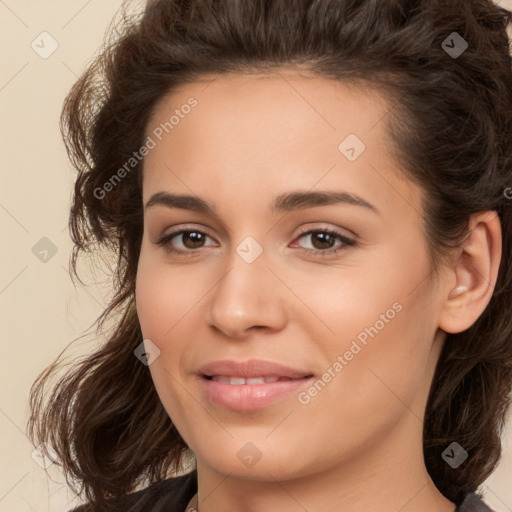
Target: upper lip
<point x="251" y="368"/>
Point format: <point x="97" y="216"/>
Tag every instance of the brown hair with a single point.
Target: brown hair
<point x="451" y="121"/>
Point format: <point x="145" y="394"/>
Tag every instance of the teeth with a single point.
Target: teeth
<point x="238" y="381"/>
<point x="255" y="380"/>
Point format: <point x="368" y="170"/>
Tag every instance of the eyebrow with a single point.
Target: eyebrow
<point x="282" y="203"/>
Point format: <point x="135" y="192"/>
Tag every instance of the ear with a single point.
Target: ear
<point x="474" y="274"/>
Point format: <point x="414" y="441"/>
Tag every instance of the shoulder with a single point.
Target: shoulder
<point x="171" y="495"/>
<point x="473" y="503"/>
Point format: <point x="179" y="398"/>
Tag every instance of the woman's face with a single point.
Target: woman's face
<point x="312" y="257"/>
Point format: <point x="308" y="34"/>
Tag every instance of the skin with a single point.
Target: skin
<point x="357" y="445"/>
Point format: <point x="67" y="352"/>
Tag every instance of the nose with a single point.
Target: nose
<point x="249" y="297"/>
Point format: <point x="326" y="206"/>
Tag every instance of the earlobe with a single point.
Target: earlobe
<point x="476" y="271"/>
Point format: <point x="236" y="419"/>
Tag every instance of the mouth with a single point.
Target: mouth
<point x="250" y="385"/>
<point x="251" y="381"/>
<point x="250" y="369"/>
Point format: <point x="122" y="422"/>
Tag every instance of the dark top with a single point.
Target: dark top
<point x="174" y="494"/>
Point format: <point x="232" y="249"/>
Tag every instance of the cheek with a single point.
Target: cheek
<point x="384" y="324"/>
<point x="374" y="390"/>
<point x="160" y="306"/>
<point x="164" y="296"/>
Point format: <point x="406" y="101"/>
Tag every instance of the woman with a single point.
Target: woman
<point x="309" y="201"/>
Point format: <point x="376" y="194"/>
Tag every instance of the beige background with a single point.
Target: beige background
<point x="41" y="309"/>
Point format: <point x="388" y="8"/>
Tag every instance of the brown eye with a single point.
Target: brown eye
<point x="192" y="241"/>
<point x="323" y="241"/>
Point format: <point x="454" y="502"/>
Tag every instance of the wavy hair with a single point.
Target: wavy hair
<point x="451" y="122"/>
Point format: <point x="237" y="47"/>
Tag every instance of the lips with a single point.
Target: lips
<point x="250" y="385"/>
<point x="252" y="368"/>
<point x="239" y="381"/>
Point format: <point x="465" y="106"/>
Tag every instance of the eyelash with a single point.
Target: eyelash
<point x="347" y="242"/>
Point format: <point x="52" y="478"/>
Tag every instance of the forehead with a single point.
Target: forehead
<point x="281" y="95"/>
<point x="277" y="130"/>
<point x="285" y="110"/>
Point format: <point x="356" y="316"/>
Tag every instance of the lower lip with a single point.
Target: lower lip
<point x="250" y="397"/>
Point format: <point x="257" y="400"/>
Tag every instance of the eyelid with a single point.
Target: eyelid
<point x="175" y="230"/>
<point x="310" y="226"/>
<point x="325" y="227"/>
<point x="303" y="230"/>
<point x="346" y="241"/>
